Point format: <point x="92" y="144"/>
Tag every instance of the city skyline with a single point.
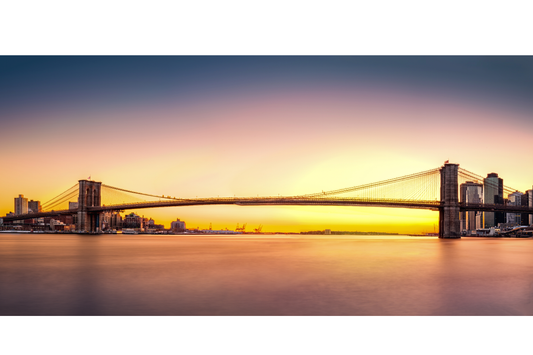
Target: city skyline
<point x="247" y="126"/>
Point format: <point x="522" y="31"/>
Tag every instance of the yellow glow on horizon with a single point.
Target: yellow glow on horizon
<point x="300" y="218"/>
<point x="266" y="146"/>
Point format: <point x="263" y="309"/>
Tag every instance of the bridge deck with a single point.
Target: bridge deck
<point x="284" y="201"/>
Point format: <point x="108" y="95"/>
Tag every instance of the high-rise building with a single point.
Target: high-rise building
<point x="21" y="205"/>
<point x="524" y="220"/>
<point x="515" y="199"/>
<point x="34" y="206"/>
<point x="530" y="204"/>
<point x="493" y="194"/>
<point x="471" y="192"/>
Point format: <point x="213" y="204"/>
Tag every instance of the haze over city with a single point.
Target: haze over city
<point x="261" y="126"/>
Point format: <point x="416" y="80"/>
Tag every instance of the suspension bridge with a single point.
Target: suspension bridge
<point x="435" y="189"/>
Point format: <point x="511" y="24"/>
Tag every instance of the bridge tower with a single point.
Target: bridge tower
<point x="449" y="226"/>
<point x="89" y="196"/>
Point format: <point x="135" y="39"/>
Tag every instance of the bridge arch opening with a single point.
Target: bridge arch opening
<point x="95" y="197"/>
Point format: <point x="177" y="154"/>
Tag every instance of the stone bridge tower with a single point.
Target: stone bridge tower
<point x="449" y="226"/>
<point x="89" y="196"/>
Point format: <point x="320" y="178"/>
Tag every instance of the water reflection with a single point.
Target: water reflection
<point x="263" y="275"/>
<point x="85" y="295"/>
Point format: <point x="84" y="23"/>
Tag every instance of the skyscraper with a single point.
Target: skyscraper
<point x="515" y="199"/>
<point x="34" y="206"/>
<point x="471" y="192"/>
<point x="530" y="204"/>
<point x="524" y="221"/>
<point x="493" y="194"/>
<point x="21" y="205"/>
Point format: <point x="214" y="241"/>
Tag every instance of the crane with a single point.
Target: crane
<point x="241" y="229"/>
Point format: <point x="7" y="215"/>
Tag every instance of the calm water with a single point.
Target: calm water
<point x="264" y="275"/>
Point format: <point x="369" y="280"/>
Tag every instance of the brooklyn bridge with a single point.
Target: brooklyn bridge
<point x="435" y="189"/>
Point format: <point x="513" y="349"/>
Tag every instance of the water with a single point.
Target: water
<point x="51" y="274"/>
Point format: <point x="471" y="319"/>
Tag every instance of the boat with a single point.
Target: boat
<point x="129" y="231"/>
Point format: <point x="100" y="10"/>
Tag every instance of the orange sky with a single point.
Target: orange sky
<point x="265" y="143"/>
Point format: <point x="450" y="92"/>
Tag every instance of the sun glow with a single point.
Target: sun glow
<point x="270" y="138"/>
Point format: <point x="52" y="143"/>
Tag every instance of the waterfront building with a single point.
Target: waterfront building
<point x="471" y="192"/>
<point x="111" y="220"/>
<point x="524" y="219"/>
<point x="515" y="199"/>
<point x="177" y="226"/>
<point x="133" y="221"/>
<point x="529" y="194"/>
<point x="116" y="221"/>
<point x="493" y="194"/>
<point x="152" y="227"/>
<point x="57" y="225"/>
<point x="21" y="205"/>
<point x="34" y="206"/>
<point x="65" y="219"/>
<point x="105" y="220"/>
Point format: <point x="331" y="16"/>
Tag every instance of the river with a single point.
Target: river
<point x="54" y="274"/>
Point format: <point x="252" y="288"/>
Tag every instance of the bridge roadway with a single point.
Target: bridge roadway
<point x="283" y="201"/>
<point x="485" y="207"/>
<point x="39" y="215"/>
<point x="278" y="201"/>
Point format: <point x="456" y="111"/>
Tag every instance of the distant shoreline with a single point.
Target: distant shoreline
<point x="259" y="234"/>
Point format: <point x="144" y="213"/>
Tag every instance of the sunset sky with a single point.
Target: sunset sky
<point x="247" y="126"/>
